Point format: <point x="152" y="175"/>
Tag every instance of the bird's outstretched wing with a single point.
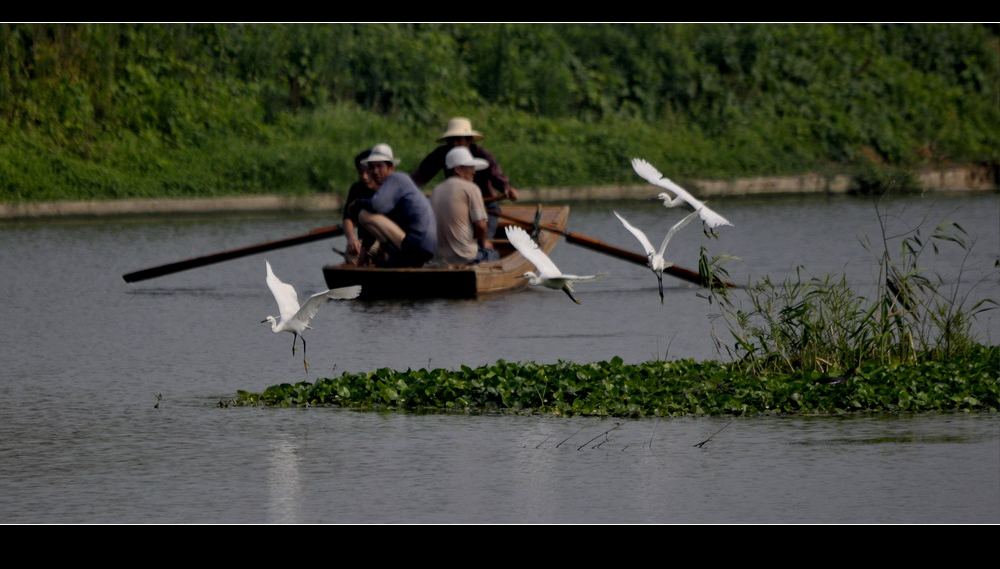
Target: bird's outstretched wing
<point x="648" y="172"/>
<point x="653" y="176"/>
<point x="527" y="247"/>
<point x="344" y="293"/>
<point x="584" y="278"/>
<point x="643" y="240"/>
<point x="311" y="307"/>
<point x="687" y="219"/>
<point x="284" y="294"/>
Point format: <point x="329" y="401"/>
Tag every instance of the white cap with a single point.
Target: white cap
<point x="381" y="152"/>
<point x="460" y="156"/>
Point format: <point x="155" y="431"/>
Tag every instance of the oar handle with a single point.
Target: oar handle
<point x="170" y="268"/>
<point x="601" y="246"/>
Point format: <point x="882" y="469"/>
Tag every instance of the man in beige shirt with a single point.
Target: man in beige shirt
<point x="460" y="212"/>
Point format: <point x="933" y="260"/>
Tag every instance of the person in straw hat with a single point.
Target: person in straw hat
<point x="399" y="215"/>
<point x="493" y="184"/>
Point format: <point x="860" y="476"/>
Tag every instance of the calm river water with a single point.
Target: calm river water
<point x="83" y="357"/>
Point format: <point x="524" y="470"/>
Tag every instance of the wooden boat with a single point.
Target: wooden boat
<point x="455" y="281"/>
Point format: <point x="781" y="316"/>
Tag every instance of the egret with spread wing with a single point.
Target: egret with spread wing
<point x="295" y="319"/>
<point x="656" y="261"/>
<point x="653" y="176"/>
<point x="548" y="274"/>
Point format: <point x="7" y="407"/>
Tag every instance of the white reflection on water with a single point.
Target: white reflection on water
<point x="284" y="487"/>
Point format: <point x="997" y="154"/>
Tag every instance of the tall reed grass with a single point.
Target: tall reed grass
<point x="807" y="324"/>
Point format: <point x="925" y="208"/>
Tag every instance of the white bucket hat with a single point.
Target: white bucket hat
<point x="460" y="126"/>
<point x="381" y="152"/>
<point x="460" y="156"/>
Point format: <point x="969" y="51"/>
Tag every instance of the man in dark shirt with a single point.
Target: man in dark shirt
<point x="492" y="182"/>
<point x="398" y="214"/>
<point x="358" y="245"/>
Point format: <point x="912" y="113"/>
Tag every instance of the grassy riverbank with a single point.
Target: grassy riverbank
<point x="108" y="111"/>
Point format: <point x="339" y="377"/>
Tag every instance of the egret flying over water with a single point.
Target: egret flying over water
<point x="656" y="261"/>
<point x="295" y="319"/>
<point x="653" y="176"/>
<point x="548" y="274"/>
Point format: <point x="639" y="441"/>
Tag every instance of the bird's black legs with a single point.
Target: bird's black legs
<point x="296" y="337"/>
<point x="659" y="279"/>
<point x="569" y="293"/>
<point x="305" y="364"/>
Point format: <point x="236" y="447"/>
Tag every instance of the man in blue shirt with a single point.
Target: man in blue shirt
<point x="399" y="215"/>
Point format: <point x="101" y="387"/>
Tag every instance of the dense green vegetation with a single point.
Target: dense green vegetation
<point x="680" y="387"/>
<point x="108" y="111"/>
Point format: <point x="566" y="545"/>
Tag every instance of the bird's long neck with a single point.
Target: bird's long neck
<point x="670" y="202"/>
<point x="274" y="324"/>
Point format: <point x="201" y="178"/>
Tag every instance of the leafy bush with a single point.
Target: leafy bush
<point x="561" y="104"/>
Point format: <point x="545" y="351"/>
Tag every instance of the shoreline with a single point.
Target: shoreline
<point x="956" y="179"/>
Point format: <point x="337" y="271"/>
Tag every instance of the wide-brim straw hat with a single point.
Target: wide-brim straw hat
<point x="381" y="153"/>
<point x="460" y="126"/>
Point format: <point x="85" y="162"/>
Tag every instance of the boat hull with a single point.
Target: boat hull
<point x="467" y="281"/>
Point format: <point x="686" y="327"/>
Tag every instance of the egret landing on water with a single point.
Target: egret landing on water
<point x="295" y="319"/>
<point x="656" y="261"/>
<point x="653" y="176"/>
<point x="548" y="274"/>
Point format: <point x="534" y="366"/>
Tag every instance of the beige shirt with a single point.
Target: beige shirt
<point x="457" y="205"/>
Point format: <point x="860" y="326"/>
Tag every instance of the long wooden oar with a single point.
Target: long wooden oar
<point x="602" y="247"/>
<point x="153" y="272"/>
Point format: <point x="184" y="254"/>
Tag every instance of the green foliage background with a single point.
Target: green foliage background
<point x="111" y="110"/>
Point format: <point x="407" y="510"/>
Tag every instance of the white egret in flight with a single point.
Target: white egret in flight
<point x="296" y="319"/>
<point x="653" y="176"/>
<point x="656" y="261"/>
<point x="548" y="274"/>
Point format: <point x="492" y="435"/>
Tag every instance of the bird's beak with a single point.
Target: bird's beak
<point x="263" y="321"/>
<point x="653" y="199"/>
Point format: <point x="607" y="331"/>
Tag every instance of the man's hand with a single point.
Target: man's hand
<point x="511" y="194"/>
